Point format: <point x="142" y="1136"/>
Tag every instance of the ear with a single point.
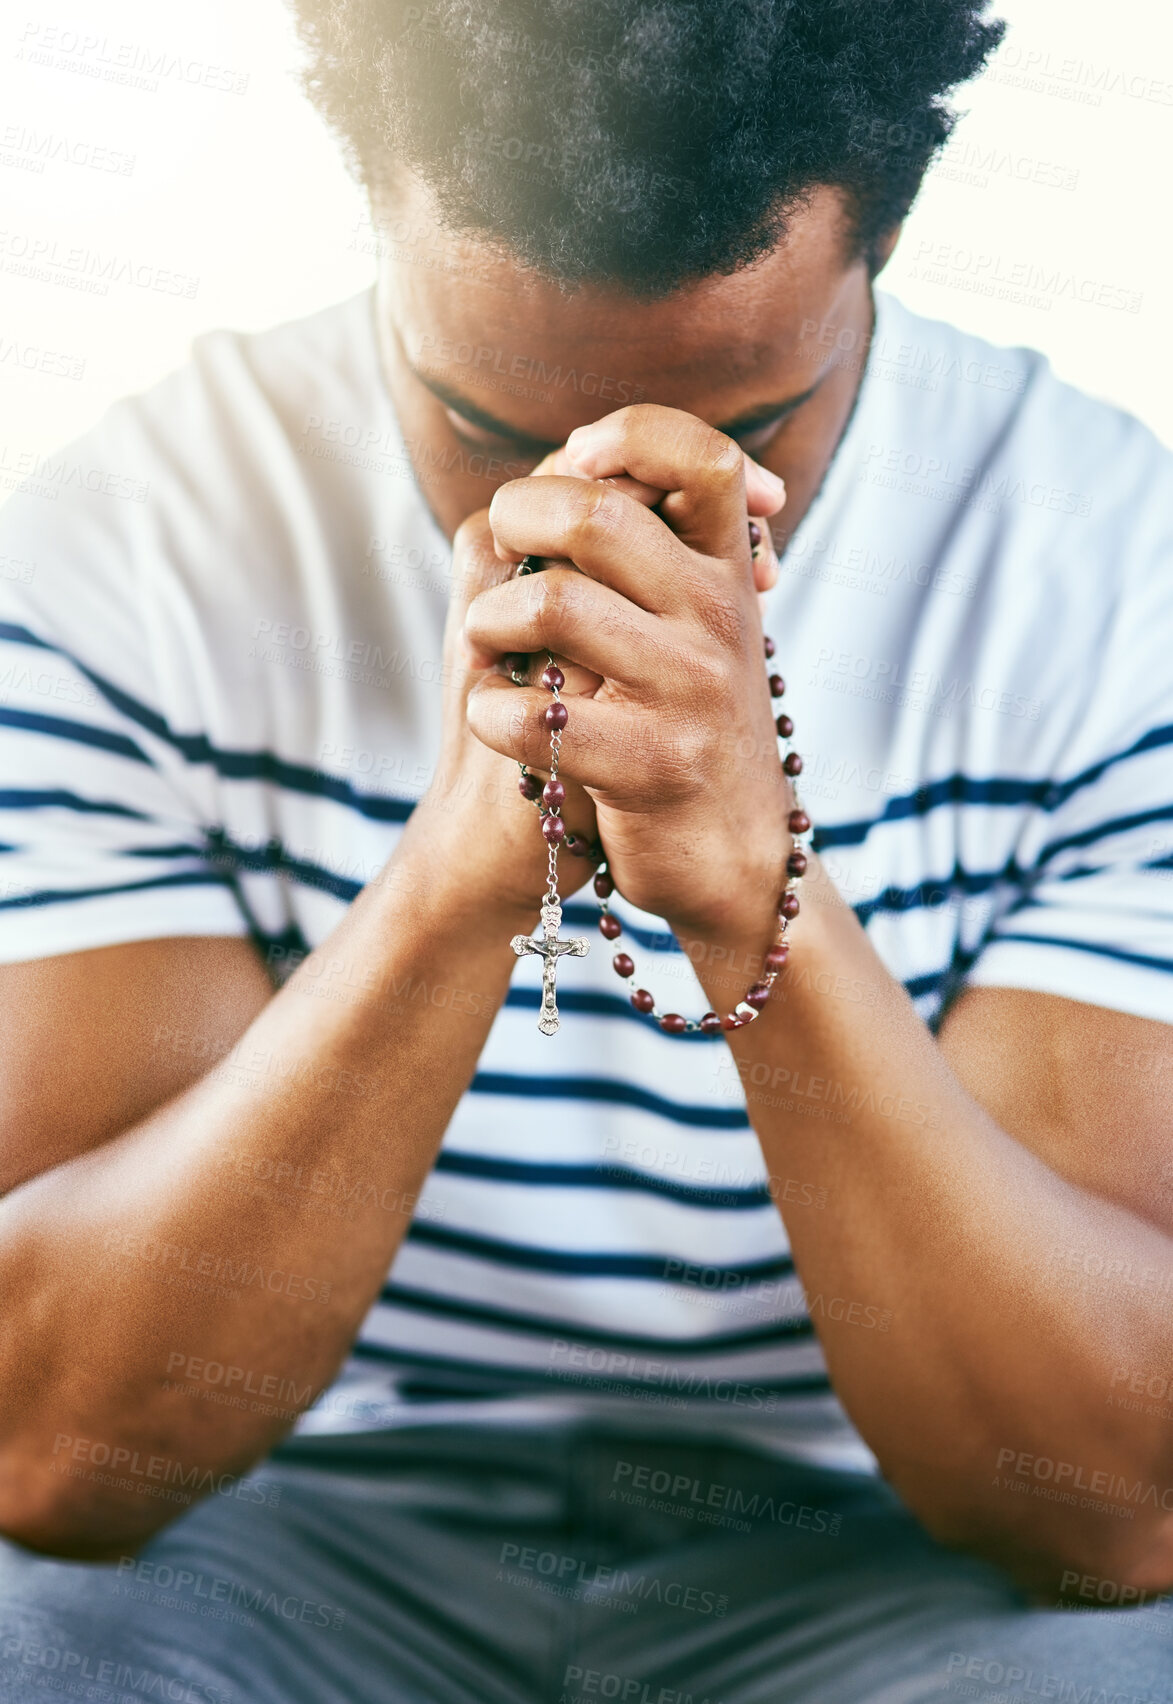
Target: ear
<point x="881" y="250"/>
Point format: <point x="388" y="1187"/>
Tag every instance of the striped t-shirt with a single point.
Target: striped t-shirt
<point x="220" y="642"/>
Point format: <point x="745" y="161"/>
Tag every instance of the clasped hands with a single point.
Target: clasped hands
<point x="651" y="606"/>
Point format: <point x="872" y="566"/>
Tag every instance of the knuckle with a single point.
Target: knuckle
<point x="550" y="601"/>
<point x="682" y="752"/>
<point x="723" y="620"/>
<point x="587" y="513"/>
<point x="720" y="457"/>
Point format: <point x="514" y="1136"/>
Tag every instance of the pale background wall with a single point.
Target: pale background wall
<point x="212" y="195"/>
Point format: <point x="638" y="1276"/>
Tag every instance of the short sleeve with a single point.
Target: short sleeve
<point x="101" y="837"/>
<point x="1094" y="916"/>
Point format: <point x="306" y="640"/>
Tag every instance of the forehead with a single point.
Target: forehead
<point x="481" y="325"/>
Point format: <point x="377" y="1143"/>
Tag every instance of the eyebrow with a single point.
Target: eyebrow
<point x="477" y="416"/>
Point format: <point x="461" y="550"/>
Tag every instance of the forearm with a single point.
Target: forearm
<point x="994" y="1352"/>
<point x="117" y="1264"/>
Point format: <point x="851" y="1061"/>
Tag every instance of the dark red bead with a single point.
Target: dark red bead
<point x="553" y="828"/>
<point x="755" y="535"/>
<point x="610" y="926"/>
<point x="517" y="662"/>
<point x="777" y="686"/>
<point x="577" y="845"/>
<point x="710" y="1024"/>
<point x="642" y="1000"/>
<point x="788" y="906"/>
<point x="553" y="678"/>
<point x="555" y="715"/>
<point x="792" y="763"/>
<point x="796" y="863"/>
<point x="784" y="726"/>
<point x="673" y="1024"/>
<point x="757" y="996"/>
<point x="769" y="646"/>
<point x="553" y="793"/>
<point x="799" y="822"/>
<point x="732" y="1021"/>
<point x="596" y="853"/>
<point x="603" y="885"/>
<point x="776" y="957"/>
<point x="530" y="787"/>
<point x="624" y="964"/>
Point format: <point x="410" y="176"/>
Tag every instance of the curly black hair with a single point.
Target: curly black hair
<point x="644" y="143"/>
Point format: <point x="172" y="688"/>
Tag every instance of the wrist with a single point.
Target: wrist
<point x="439" y="869"/>
<point x="728" y="952"/>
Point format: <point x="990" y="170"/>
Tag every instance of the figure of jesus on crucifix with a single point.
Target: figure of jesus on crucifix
<point x="551" y="949"/>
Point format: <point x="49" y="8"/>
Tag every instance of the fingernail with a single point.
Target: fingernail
<point x="774" y="483"/>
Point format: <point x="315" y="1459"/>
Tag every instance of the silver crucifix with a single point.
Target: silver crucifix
<point x="551" y="950"/>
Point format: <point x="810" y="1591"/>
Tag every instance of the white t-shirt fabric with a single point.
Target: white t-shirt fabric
<point x="220" y="687"/>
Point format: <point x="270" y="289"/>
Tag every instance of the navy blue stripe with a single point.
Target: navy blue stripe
<point x="491" y="1379"/>
<point x="570" y="1262"/>
<point x="272" y="859"/>
<point x="47" y="798"/>
<point x="182" y="850"/>
<point x="529" y="1325"/>
<point x="546" y="1175"/>
<point x="597" y="1005"/>
<point x="610" y="1092"/>
<point x="79" y="733"/>
<point x="233" y="765"/>
<point x="191" y="878"/>
<point x="652" y="940"/>
<point x="1042" y="793"/>
<point x="936" y="892"/>
<point x="1115" y="825"/>
<point x="1097" y="947"/>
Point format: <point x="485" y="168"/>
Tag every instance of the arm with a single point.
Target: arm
<point x="121" y="1223"/>
<point x="972" y="1176"/>
<point x="998" y="1192"/>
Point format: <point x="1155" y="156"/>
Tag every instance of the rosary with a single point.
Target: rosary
<point x="549" y="799"/>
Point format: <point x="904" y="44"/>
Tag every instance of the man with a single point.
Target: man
<point x="265" y="853"/>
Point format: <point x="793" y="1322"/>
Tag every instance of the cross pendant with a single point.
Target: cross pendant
<point x="551" y="950"/>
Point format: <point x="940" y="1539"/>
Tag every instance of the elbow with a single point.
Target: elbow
<point x="54" y="1524"/>
<point x="1082" y="1563"/>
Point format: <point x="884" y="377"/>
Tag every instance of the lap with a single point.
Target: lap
<point x="531" y="1570"/>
